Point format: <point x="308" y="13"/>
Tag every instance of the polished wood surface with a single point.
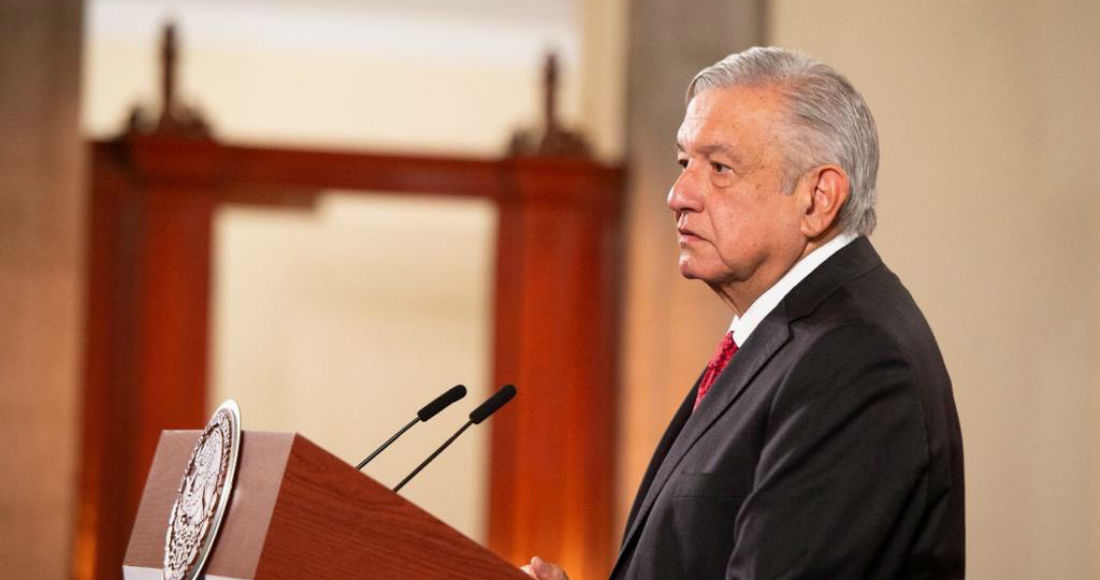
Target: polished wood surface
<point x="299" y="512"/>
<point x="556" y="306"/>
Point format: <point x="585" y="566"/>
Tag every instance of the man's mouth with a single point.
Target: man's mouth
<point x="686" y="235"/>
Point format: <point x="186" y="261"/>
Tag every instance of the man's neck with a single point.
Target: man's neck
<point x="746" y="321"/>
<point x="739" y="295"/>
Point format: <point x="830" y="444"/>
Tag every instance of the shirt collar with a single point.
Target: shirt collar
<point x="742" y="326"/>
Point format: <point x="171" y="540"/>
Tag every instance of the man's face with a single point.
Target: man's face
<point x="736" y="225"/>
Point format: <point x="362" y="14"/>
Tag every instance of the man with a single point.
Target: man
<point x="822" y="441"/>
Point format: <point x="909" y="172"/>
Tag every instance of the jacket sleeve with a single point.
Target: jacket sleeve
<point x="841" y="473"/>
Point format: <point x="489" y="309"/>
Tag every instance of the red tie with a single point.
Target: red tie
<point x="721" y="358"/>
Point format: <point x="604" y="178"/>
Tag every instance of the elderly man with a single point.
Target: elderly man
<point x="822" y="439"/>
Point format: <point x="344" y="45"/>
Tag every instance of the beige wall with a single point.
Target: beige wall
<point x="340" y="323"/>
<point x="41" y="220"/>
<point x="334" y="73"/>
<point x="304" y="98"/>
<point x="989" y="211"/>
<point x="601" y="87"/>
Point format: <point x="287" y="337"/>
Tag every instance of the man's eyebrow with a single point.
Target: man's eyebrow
<point x="718" y="148"/>
<point x="710" y="149"/>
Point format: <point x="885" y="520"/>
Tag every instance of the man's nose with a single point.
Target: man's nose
<point x="685" y="193"/>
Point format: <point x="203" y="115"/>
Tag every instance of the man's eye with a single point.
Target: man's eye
<point x="719" y="168"/>
<point x="683" y="163"/>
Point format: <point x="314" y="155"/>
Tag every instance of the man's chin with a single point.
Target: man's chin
<point x="689" y="270"/>
<point x="688" y="274"/>
<point x="693" y="270"/>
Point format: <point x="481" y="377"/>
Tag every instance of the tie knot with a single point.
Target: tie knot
<point x="724" y="353"/>
<point x="726" y="349"/>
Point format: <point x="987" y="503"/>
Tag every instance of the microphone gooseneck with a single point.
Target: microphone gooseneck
<point x="427" y="412"/>
<point x="435" y="453"/>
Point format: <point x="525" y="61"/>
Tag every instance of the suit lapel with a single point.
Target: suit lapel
<point x="761" y="346"/>
<point x="671" y="433"/>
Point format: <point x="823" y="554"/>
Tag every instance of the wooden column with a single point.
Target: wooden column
<point x="148" y="296"/>
<point x="552" y="457"/>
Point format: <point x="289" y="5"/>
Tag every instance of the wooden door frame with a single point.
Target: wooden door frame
<point x="152" y="200"/>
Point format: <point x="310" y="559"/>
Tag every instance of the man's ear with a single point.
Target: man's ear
<point x="829" y="189"/>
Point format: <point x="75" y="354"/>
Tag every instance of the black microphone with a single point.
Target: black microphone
<point x="478" y="415"/>
<point x="490" y="406"/>
<point x="427" y="412"/>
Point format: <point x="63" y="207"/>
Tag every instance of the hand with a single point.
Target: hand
<point x="540" y="569"/>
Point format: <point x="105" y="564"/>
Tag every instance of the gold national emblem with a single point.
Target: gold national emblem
<point x="203" y="495"/>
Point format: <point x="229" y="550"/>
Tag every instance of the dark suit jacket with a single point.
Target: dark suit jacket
<point x="828" y="448"/>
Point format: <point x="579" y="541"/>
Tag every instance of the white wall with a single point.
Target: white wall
<point x="989" y="212"/>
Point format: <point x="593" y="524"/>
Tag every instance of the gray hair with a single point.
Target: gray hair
<point x="831" y="122"/>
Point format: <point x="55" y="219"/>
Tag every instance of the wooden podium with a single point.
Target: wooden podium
<point x="297" y="511"/>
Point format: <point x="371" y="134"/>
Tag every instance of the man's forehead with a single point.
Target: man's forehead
<point x="719" y="118"/>
<point x="736" y="104"/>
<point x="707" y="134"/>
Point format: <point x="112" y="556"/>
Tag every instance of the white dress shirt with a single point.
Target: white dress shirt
<point x="742" y="326"/>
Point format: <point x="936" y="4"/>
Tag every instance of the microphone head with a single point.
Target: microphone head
<point x="491" y="405"/>
<point x="441" y="402"/>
